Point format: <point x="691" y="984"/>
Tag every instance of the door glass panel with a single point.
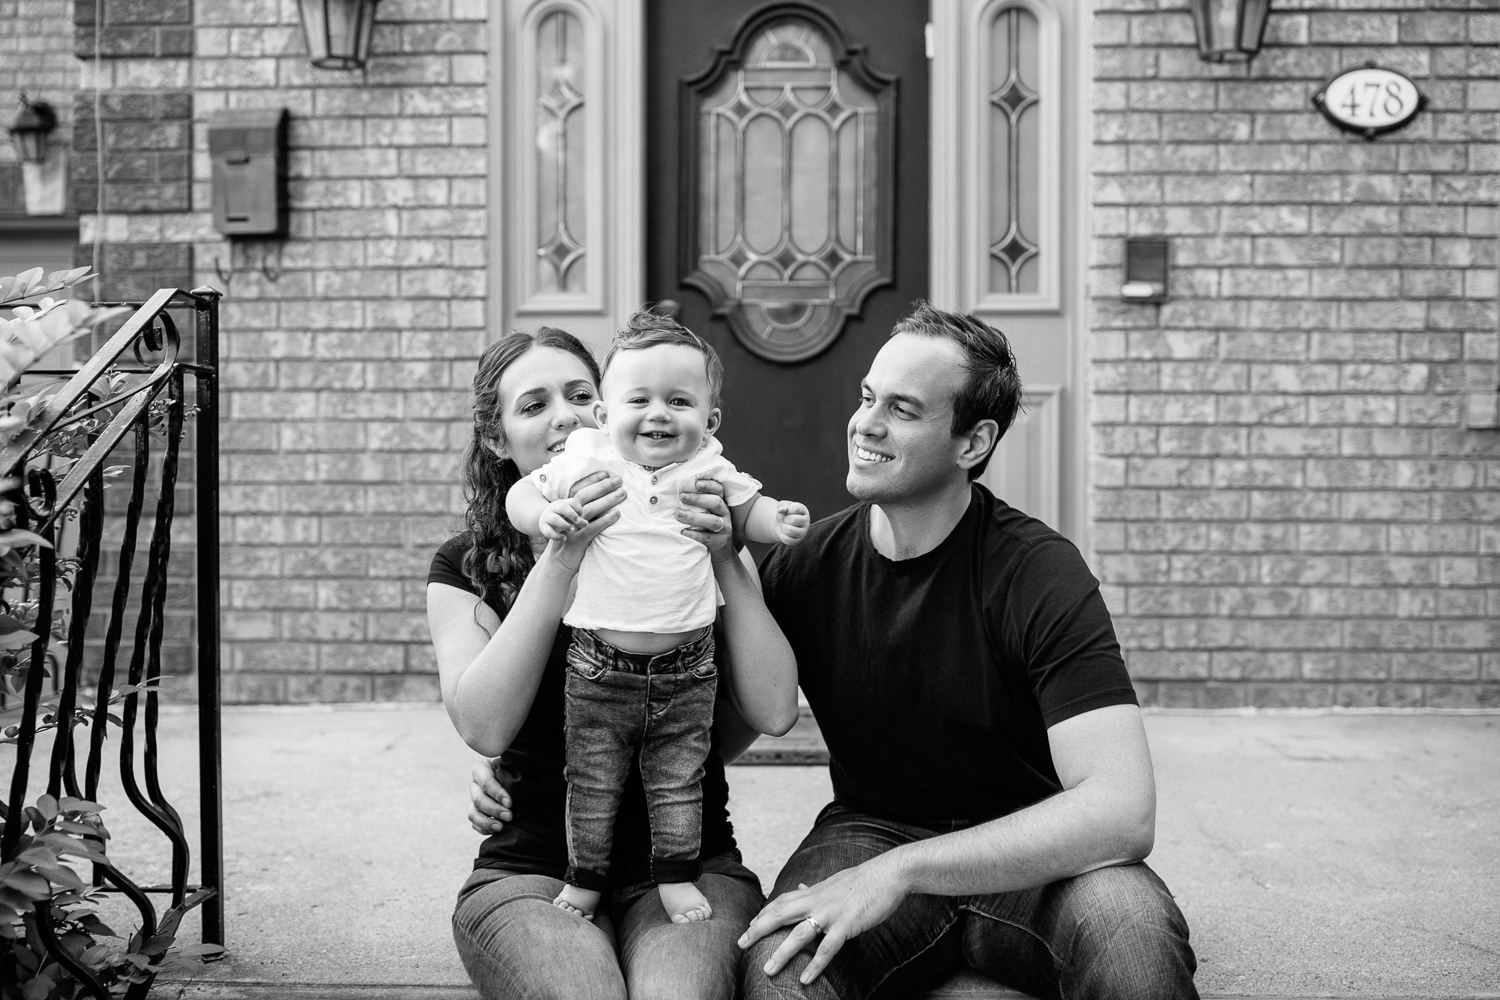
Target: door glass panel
<point x="792" y="162"/>
<point x="559" y="128"/>
<point x="1013" y="116"/>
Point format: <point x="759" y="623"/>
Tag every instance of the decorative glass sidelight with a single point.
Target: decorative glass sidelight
<point x="788" y="163"/>
<point x="561" y="219"/>
<point x="1014" y="103"/>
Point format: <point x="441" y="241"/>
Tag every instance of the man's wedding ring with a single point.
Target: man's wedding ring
<point x="816" y="928"/>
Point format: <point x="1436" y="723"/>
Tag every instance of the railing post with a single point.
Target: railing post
<point x="206" y="452"/>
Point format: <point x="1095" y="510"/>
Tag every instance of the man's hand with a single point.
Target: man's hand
<point x="841" y="906"/>
<point x="489" y="801"/>
<point x="792" y="520"/>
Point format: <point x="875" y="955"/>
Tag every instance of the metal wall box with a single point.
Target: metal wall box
<point x="1147" y="269"/>
<point x="248" y="150"/>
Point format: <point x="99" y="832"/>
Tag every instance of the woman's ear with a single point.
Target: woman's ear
<point x="497" y="448"/>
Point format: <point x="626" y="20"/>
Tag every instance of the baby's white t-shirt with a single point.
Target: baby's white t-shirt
<point x="642" y="574"/>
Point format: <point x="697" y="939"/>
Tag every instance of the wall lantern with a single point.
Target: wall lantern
<point x="338" y="31"/>
<point x="29" y="131"/>
<point x="1229" y="30"/>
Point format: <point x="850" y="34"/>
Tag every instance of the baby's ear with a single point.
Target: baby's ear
<point x="601" y="415"/>
<point x="714" y="417"/>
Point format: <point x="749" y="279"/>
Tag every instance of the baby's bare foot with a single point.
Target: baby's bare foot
<point x="576" y="900"/>
<point x="684" y="903"/>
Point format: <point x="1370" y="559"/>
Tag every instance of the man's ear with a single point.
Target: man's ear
<point x="715" y="416"/>
<point x="978" y="443"/>
<point x="601" y="415"/>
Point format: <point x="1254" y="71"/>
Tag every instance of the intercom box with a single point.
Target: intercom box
<point x="248" y="150"/>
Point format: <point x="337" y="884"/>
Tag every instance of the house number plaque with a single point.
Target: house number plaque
<point x="1370" y="100"/>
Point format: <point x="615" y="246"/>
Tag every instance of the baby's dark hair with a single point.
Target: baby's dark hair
<point x="646" y="328"/>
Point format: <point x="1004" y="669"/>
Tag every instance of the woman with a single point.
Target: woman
<point x="495" y="600"/>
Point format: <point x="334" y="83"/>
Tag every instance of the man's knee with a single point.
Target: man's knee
<point x="786" y="984"/>
<point x="1127" y="938"/>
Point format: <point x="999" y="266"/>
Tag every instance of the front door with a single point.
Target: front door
<point x="787" y="210"/>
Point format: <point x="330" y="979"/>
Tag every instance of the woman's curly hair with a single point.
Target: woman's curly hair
<point x="499" y="556"/>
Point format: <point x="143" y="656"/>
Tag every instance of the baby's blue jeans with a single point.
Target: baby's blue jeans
<point x="620" y="706"/>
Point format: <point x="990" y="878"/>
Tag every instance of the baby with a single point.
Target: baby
<point x="643" y="612"/>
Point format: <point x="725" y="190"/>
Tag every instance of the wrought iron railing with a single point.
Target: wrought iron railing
<point x="129" y="398"/>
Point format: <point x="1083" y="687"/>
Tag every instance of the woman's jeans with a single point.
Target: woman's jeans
<point x="619" y="706"/>
<point x="517" y="946"/>
<point x="1110" y="933"/>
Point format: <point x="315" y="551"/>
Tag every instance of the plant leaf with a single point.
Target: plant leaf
<point x="29" y="884"/>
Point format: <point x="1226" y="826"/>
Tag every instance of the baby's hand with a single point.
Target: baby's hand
<point x="562" y="518"/>
<point x="792" y="520"/>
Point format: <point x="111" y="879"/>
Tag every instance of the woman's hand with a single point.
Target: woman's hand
<point x="488" y="799"/>
<point x="595" y="497"/>
<point x="706" y="518"/>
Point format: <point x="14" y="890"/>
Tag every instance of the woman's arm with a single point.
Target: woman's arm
<point x="488" y="668"/>
<point x="755" y="656"/>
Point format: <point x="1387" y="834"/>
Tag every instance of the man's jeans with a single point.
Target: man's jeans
<point x="618" y="707"/>
<point x="1111" y="933"/>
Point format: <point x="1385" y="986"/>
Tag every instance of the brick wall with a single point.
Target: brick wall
<point x="1294" y="479"/>
<point x="1292" y="503"/>
<point x="135" y="121"/>
<point x="348" y="346"/>
<point x="34" y="48"/>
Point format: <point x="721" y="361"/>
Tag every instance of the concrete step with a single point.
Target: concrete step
<point x="1315" y="855"/>
<point x="962" y="987"/>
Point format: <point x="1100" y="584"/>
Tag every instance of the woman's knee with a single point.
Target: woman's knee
<point x="516" y="945"/>
<point x="701" y="959"/>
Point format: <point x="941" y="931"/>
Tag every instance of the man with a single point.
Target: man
<point x="993" y="791"/>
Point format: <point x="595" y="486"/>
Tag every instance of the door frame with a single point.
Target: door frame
<point x="1059" y="412"/>
<point x="616" y="175"/>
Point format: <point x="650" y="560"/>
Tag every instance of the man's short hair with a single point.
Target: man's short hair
<point x="992" y="384"/>
<point x="646" y="328"/>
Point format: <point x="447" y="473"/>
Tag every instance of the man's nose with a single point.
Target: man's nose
<point x="865" y="423"/>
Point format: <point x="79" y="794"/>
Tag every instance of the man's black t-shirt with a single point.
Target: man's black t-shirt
<point x="934" y="679"/>
<point x="532" y="771"/>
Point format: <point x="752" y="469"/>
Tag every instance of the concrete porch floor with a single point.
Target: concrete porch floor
<point x="1342" y="854"/>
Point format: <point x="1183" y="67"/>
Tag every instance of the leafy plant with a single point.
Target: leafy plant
<point x="42" y="894"/>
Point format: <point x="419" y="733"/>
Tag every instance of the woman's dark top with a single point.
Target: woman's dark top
<point x="531" y="769"/>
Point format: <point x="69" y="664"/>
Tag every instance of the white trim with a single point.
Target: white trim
<point x="614" y="122"/>
<point x="978" y="190"/>
<point x="948" y="157"/>
<point x="627" y="206"/>
<point x="1079" y="435"/>
<point x="521" y="136"/>
<point x="497" y="310"/>
<point x="1023" y="471"/>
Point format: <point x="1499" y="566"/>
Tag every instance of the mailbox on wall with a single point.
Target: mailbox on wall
<point x="248" y="149"/>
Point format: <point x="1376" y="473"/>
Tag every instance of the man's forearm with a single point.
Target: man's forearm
<point x="1072" y="832"/>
